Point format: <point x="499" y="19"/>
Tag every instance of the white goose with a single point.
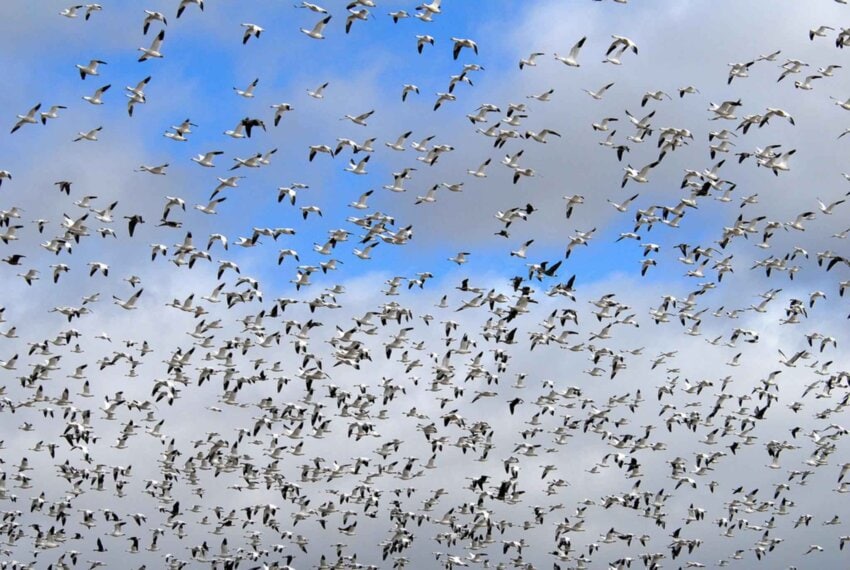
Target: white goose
<point x="251" y="30"/>
<point x="52" y="113"/>
<point x="312" y="7"/>
<point x="432" y="8"/>
<point x="136" y="94"/>
<point x="316" y="31"/>
<point x="150" y="17"/>
<point x="97" y="99"/>
<point x="279" y="110"/>
<point x="28" y="119"/>
<point x="545" y="96"/>
<point x="71" y="11"/>
<point x="600" y="92"/>
<point x="421" y="40"/>
<point x="359" y="119"/>
<point x="408" y="88"/>
<point x="130" y="303"/>
<point x="91" y="68"/>
<point x="210" y="207"/>
<point x="360" y="204"/>
<point x="248" y="92"/>
<point x="206" y="159"/>
<point x="365" y="253"/>
<point x="460" y="43"/>
<point x="530" y="61"/>
<point x="153" y="51"/>
<point x="540" y="136"/>
<point x="88" y="135"/>
<point x="158" y="170"/>
<point x="358" y="168"/>
<point x="430" y="196"/>
<point x="827" y="209"/>
<point x="185" y="3"/>
<point x="318" y="92"/>
<point x="571" y="59"/>
<point x="398" y="145"/>
<point x="639" y="176"/>
<point x="238" y="132"/>
<point x="479" y="172"/>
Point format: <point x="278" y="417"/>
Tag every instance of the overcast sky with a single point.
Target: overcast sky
<point x="695" y="348"/>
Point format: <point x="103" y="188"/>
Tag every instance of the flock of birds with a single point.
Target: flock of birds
<point x="427" y="421"/>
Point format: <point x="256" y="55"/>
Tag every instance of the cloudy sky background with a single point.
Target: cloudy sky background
<point x="686" y="43"/>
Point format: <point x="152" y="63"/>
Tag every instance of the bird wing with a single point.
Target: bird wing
<point x="157" y="41"/>
<point x="577" y="47"/>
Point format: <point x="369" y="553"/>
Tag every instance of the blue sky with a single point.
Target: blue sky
<point x="681" y="43"/>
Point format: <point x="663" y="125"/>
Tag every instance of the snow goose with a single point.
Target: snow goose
<point x="430" y="197"/>
<point x="360" y="204"/>
<point x="521" y="252"/>
<point x="621" y="42"/>
<point x="206" y="159"/>
<point x="354" y="15"/>
<point x="316" y="31"/>
<point x="421" y="40"/>
<point x="460" y="258"/>
<point x="408" y="88"/>
<point x="545" y="96"/>
<point x="150" y="17"/>
<point x="71" y="11"/>
<point x="441" y="97"/>
<point x="602" y="126"/>
<point x="185" y="3"/>
<point x="130" y="303"/>
<point x="600" y="92"/>
<point x="136" y="94"/>
<point x="209" y="208"/>
<point x="153" y="51"/>
<point x="398" y="145"/>
<point x="806" y="84"/>
<point x="622" y="207"/>
<point x="571" y="59"/>
<point x="238" y="132"/>
<point x="28" y="119"/>
<point x="312" y="7"/>
<point x="530" y="60"/>
<point x="96" y="99"/>
<point x="365" y="252"/>
<point x="91" y="68"/>
<point x="398" y="15"/>
<point x="359" y="119"/>
<point x="88" y="135"/>
<point x="314" y="149"/>
<point x="318" y="92"/>
<point x="432" y="8"/>
<point x="159" y="169"/>
<point x="251" y="30"/>
<point x="51" y="113"/>
<point x="655" y="95"/>
<point x="522" y="172"/>
<point x="279" y="110"/>
<point x="541" y="136"/>
<point x="358" y="168"/>
<point x="819" y="32"/>
<point x="827" y="209"/>
<point x="248" y="92"/>
<point x="479" y="172"/>
<point x="460" y="43"/>
<point x="639" y="176"/>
